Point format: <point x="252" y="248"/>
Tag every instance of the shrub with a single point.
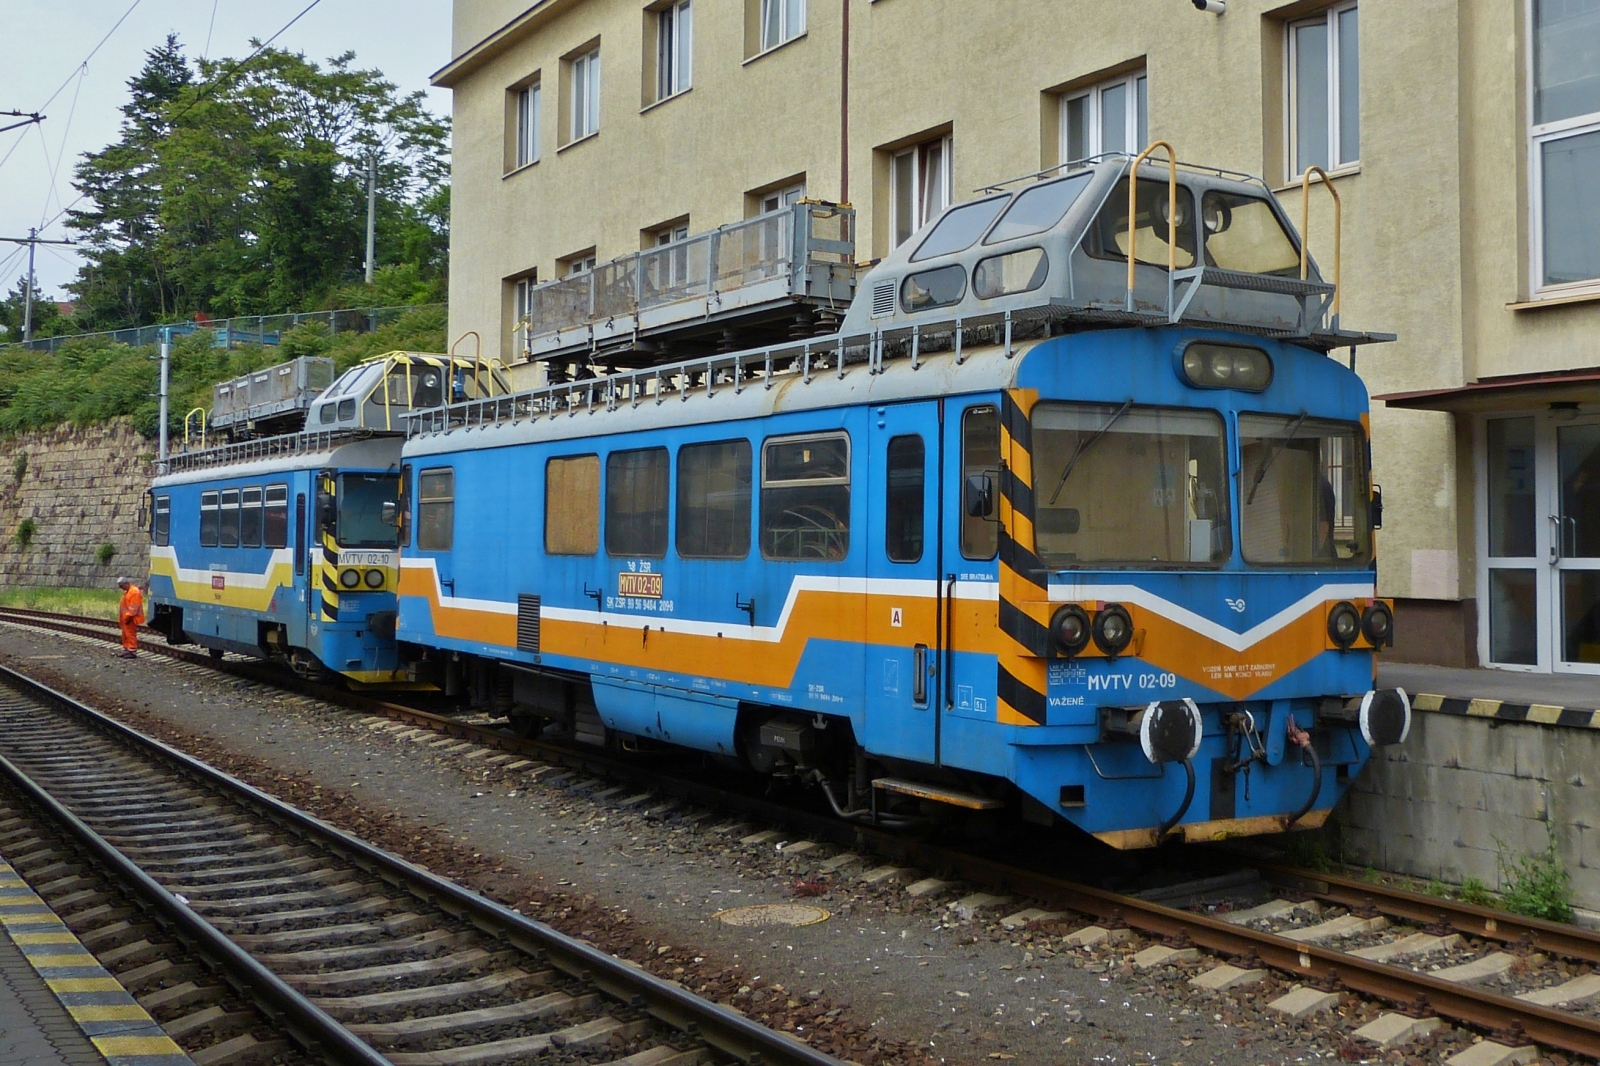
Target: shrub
<point x="24" y="534"/>
<point x="106" y="552"/>
<point x="1536" y="885"/>
<point x="19" y="468"/>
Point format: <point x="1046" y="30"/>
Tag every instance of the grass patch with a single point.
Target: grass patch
<point x="90" y="603"/>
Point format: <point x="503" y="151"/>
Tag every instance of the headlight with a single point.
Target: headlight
<point x="1377" y="625"/>
<point x="1113" y="629"/>
<point x="1344" y="625"/>
<point x="1226" y="366"/>
<point x="374" y="579"/>
<point x="349" y="578"/>
<point x="1069" y="628"/>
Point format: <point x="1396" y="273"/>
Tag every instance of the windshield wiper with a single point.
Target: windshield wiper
<point x="1272" y="453"/>
<point x="1084" y="445"/>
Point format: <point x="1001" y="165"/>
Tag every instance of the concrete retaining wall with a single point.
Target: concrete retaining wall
<point x="81" y="487"/>
<point x="1443" y="804"/>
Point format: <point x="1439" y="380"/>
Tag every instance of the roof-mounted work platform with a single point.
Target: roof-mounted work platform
<point x="274" y="400"/>
<point x="782" y="275"/>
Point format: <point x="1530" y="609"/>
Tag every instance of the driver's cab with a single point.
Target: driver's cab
<point x="376" y="394"/>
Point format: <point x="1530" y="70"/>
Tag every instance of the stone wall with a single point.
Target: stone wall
<point x="81" y="486"/>
<point x="1443" y="804"/>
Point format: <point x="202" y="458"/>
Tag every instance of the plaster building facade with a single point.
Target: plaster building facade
<point x="1457" y="133"/>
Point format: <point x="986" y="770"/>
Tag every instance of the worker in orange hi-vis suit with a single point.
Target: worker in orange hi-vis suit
<point x="130" y="613"/>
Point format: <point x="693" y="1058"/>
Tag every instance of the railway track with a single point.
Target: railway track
<point x="357" y="956"/>
<point x="1288" y="936"/>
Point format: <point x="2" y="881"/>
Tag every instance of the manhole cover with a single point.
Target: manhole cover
<point x="773" y="914"/>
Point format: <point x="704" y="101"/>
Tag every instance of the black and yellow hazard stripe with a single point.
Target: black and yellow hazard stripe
<point x="325" y="578"/>
<point x="1024" y="584"/>
<point x="119" y="1028"/>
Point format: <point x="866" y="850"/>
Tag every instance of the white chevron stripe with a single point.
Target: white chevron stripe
<point x="1149" y="601"/>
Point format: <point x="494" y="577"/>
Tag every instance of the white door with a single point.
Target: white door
<point x="1572" y="454"/>
<point x="1540" y="576"/>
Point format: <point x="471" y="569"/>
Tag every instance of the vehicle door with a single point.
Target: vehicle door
<point x="903" y="645"/>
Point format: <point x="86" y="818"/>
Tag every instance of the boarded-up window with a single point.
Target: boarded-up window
<point x="572" y="505"/>
<point x="636" y="502"/>
<point x="714" y="500"/>
<point x="436" y="506"/>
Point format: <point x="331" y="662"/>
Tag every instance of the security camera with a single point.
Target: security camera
<point x="1216" y="7"/>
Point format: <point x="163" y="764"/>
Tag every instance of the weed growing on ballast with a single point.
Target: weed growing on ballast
<point x="1536" y="885"/>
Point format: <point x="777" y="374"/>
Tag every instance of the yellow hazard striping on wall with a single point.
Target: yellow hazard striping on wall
<point x="113" y="1021"/>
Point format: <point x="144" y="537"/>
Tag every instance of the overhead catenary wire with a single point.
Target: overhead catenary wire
<point x="206" y="89"/>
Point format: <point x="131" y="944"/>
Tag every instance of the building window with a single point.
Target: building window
<point x="521" y="308"/>
<point x="1113" y="116"/>
<point x="780" y="199"/>
<point x="781" y="21"/>
<point x="1566" y="141"/>
<point x="1324" y="91"/>
<point x="919" y="186"/>
<point x="528" y="100"/>
<point x="674" y="49"/>
<point x="583" y="117"/>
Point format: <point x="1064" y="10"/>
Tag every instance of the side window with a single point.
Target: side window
<point x="636" y="502"/>
<point x="230" y="518"/>
<point x="403" y="506"/>
<point x="347" y="409"/>
<point x="980" y="454"/>
<point x="210" y="521"/>
<point x="161" y="529"/>
<point x="903" y="504"/>
<point x="572" y="505"/>
<point x="805" y="498"/>
<point x="714" y="500"/>
<point x="436" y="507"/>
<point x="275" y="524"/>
<point x="250" y="517"/>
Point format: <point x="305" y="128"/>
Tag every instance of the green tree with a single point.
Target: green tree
<point x="251" y="193"/>
<point x="47" y="318"/>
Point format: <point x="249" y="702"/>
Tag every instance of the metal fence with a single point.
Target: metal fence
<point x="244" y="329"/>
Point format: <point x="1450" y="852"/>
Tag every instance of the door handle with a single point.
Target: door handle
<point x="919" y="674"/>
<point x="1555" y="539"/>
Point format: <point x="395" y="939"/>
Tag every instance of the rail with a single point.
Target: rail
<point x="1172" y="213"/>
<point x="1338" y="232"/>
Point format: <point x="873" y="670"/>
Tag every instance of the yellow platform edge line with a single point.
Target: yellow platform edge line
<point x="41" y="949"/>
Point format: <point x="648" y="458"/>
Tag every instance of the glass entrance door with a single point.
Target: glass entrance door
<point x="1575" y="547"/>
<point x="1540" y="577"/>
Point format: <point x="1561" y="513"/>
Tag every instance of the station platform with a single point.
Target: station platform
<point x="58" y="1005"/>
<point x="1555" y="699"/>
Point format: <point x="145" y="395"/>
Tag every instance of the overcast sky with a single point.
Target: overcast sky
<point x="46" y="42"/>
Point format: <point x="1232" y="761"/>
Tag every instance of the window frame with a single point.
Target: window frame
<point x="530" y="102"/>
<point x="968" y="469"/>
<point x="666" y="506"/>
<point x="674" y="46"/>
<point x="679" y="504"/>
<point x="915" y="156"/>
<point x="1328" y="17"/>
<point x="268" y="505"/>
<point x="245" y="507"/>
<point x="161" y="521"/>
<point x="223" y="510"/>
<point x="425" y="500"/>
<point x="1539" y="135"/>
<point x="847" y="480"/>
<point x="890" y="494"/>
<point x="521" y="305"/>
<point x="1135" y="115"/>
<point x="583" y="109"/>
<point x="214" y="507"/>
<point x="784" y="8"/>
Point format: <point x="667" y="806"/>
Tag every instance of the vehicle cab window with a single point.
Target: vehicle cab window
<point x="361" y="504"/>
<point x="1302" y="492"/>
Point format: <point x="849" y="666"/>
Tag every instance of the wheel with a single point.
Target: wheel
<point x="215" y="653"/>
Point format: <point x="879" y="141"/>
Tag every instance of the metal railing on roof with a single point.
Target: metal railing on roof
<point x="308" y="443"/>
<point x="244" y="329"/>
